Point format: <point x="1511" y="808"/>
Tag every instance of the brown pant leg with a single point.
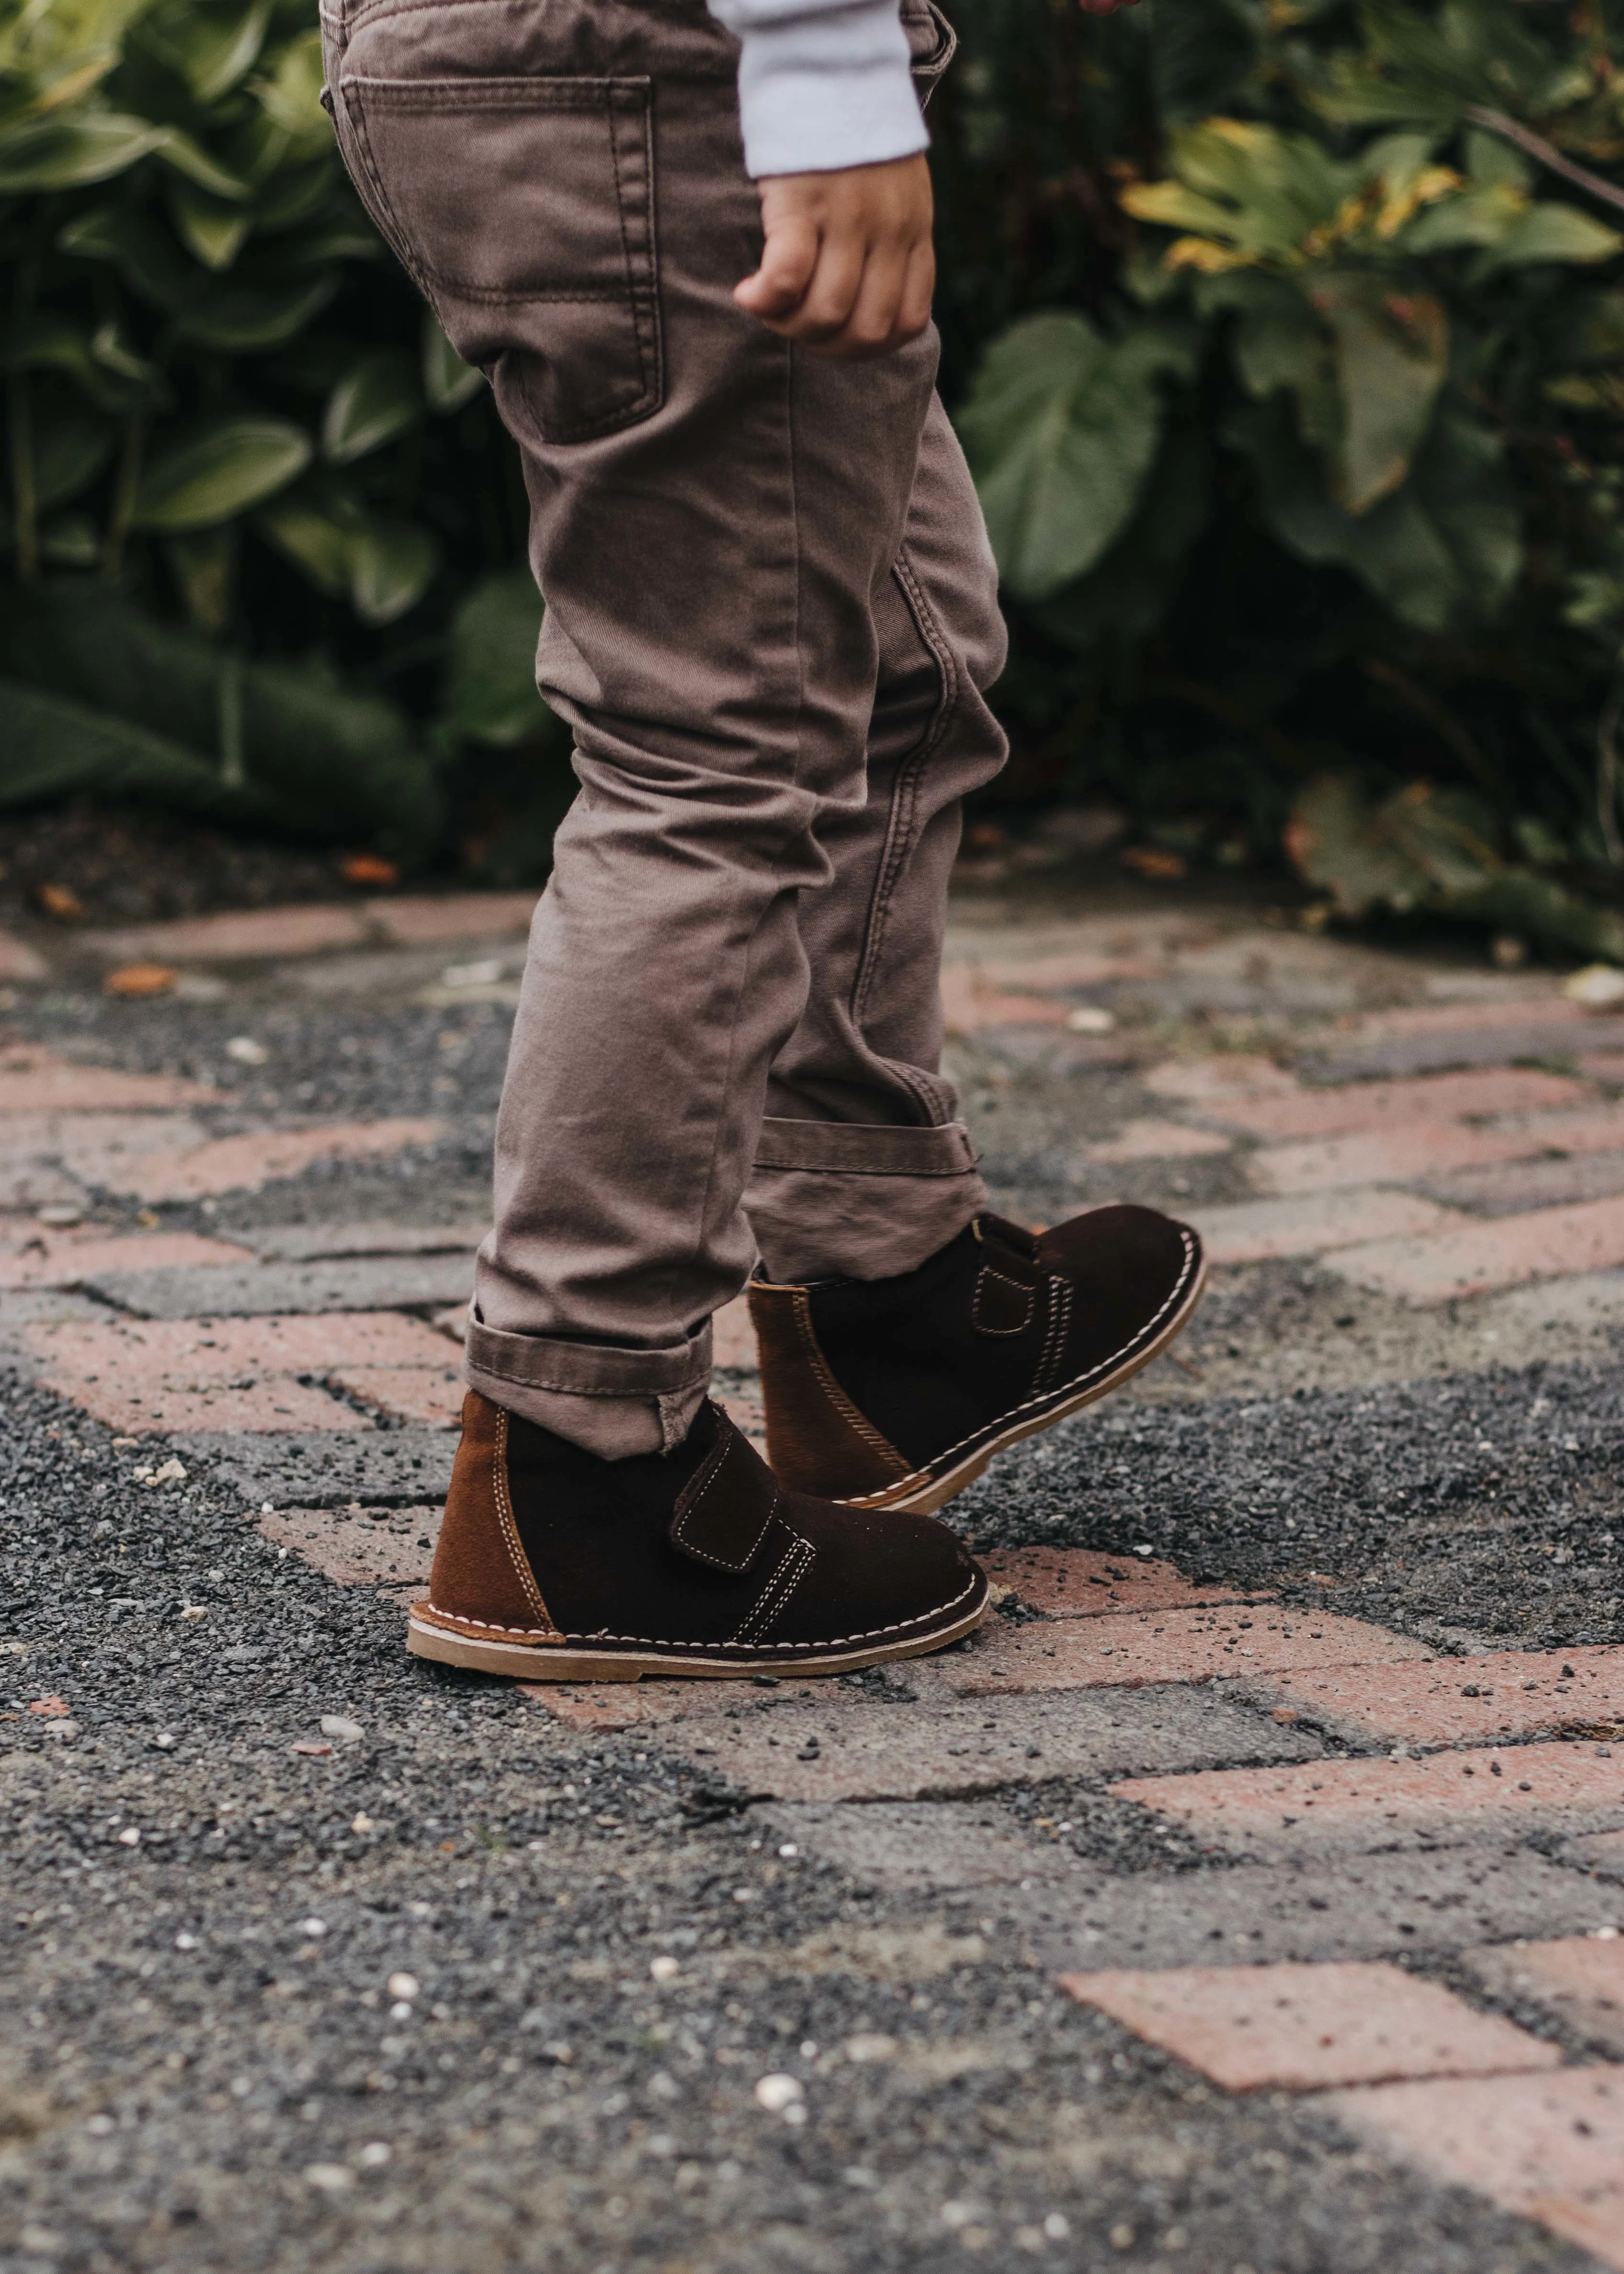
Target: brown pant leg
<point x="714" y="514"/>
<point x="864" y="1168"/>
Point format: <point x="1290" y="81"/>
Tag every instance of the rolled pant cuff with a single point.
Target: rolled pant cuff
<point x="612" y="1402"/>
<point x="845" y="1200"/>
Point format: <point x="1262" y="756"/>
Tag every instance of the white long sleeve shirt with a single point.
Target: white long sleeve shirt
<point x="823" y="83"/>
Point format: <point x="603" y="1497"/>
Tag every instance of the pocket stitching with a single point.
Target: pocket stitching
<point x="640" y="299"/>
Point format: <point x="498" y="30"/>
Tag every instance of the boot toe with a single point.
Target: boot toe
<point x="877" y="1575"/>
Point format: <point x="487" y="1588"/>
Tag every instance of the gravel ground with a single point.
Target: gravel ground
<point x="206" y="2064"/>
<point x="209" y="2058"/>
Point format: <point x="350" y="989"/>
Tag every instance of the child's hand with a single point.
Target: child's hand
<point x="848" y="267"/>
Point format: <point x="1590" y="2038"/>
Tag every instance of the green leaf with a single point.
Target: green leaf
<point x="204" y="566"/>
<point x="291" y="96"/>
<point x="1391" y="355"/>
<point x="53" y="747"/>
<point x="70" y="540"/>
<point x="489" y="694"/>
<point x="216" y="47"/>
<point x="1555" y="232"/>
<point x="448" y="381"/>
<point x="212" y="232"/>
<point x="189" y="157"/>
<point x="53" y="154"/>
<point x="1061" y="429"/>
<point x="378" y="398"/>
<point x="312" y="536"/>
<point x="392" y="564"/>
<point x="70" y="447"/>
<point x="242" y="315"/>
<point x="217" y="471"/>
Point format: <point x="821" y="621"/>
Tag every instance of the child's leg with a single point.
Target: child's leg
<point x="714" y="512"/>
<point x="864" y="1168"/>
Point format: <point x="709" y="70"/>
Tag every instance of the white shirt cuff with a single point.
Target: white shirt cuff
<point x="828" y="89"/>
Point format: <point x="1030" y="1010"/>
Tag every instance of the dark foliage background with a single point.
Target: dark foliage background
<point x="1285" y="336"/>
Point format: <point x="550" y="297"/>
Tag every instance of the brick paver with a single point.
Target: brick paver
<point x="1580" y="1979"/>
<point x="360" y="1547"/>
<point x="1157" y="1646"/>
<point x="429" y="919"/>
<point x="1158" y="1140"/>
<point x="1381" y="1105"/>
<point x="1460" y="1700"/>
<point x="822" y="1743"/>
<point x="1476" y="1258"/>
<point x="227" y="1164"/>
<point x="228" y="1374"/>
<point x="18" y="963"/>
<point x="234" y="938"/>
<point x="362" y="1283"/>
<point x="972" y="1003"/>
<point x="733" y="1337"/>
<point x="1396" y="1155"/>
<point x="1306" y="2026"/>
<point x="1080" y="1582"/>
<point x="1466" y="1046"/>
<point x="430" y="1396"/>
<point x="1603" y="1853"/>
<point x="31" y="1255"/>
<point x="1214" y="1081"/>
<point x="33" y="1081"/>
<point x="1515" y="1186"/>
<point x="1252" y="1231"/>
<point x="1563" y="1786"/>
<point x="1550" y="2147"/>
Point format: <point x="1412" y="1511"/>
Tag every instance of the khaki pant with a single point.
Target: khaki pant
<point x="772" y="612"/>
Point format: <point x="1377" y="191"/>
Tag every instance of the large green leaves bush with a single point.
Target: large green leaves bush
<point x="1286" y="337"/>
<point x="1304" y="473"/>
<point x="259" y="519"/>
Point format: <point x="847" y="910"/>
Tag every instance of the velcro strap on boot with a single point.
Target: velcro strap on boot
<point x="727" y="1503"/>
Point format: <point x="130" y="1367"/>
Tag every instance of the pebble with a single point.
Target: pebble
<point x="665" y="1968"/>
<point x="402" y="1985"/>
<point x="339" y="1725"/>
<point x="779" y="2094"/>
<point x="332" y="2178"/>
<point x="312" y="1752"/>
<point x="374" y="2155"/>
<point x="130" y="1837"/>
<point x="246" y="1051"/>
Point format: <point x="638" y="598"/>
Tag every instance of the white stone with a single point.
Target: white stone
<point x="246" y="1051"/>
<point x="402" y="1985"/>
<point x="332" y="2178"/>
<point x="665" y="1968"/>
<point x="340" y="1726"/>
<point x="779" y="2093"/>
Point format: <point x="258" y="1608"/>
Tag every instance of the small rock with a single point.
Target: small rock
<point x="313" y="1926"/>
<point x="375" y="2155"/>
<point x="1597" y="987"/>
<point x="339" y="1727"/>
<point x="779" y="2093"/>
<point x="246" y="1051"/>
<point x="332" y="2178"/>
<point x="130" y="1837"/>
<point x="402" y="1985"/>
<point x="1121" y="2236"/>
<point x="871" y="2045"/>
<point x="52" y="1709"/>
<point x="362" y="1822"/>
<point x="312" y="1752"/>
<point x="194" y="1610"/>
<point x="60" y="1216"/>
<point x="1092" y="1019"/>
<point x="61" y="1729"/>
<point x="665" y="1968"/>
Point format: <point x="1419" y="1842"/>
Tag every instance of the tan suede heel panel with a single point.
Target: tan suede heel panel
<point x="817" y="1441"/>
<point x="481" y="1574"/>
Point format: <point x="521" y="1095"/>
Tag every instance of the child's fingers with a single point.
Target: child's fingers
<point x="828" y="300"/>
<point x="789" y="261"/>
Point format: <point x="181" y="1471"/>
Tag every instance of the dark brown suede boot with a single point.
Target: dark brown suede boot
<point x="896" y="1393"/>
<point x="555" y="1565"/>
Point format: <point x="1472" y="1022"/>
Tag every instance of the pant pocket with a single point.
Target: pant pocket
<point x="524" y="208"/>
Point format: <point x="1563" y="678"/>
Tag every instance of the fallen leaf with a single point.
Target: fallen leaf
<point x="139" y="979"/>
<point x="1151" y="860"/>
<point x="59" y="900"/>
<point x="370" y="869"/>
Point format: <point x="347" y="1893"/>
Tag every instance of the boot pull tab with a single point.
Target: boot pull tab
<point x="727" y="1504"/>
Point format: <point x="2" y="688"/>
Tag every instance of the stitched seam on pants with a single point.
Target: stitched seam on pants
<point x="520" y="1561"/>
<point x="626" y="249"/>
<point x="900" y="833"/>
<point x="742" y="990"/>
